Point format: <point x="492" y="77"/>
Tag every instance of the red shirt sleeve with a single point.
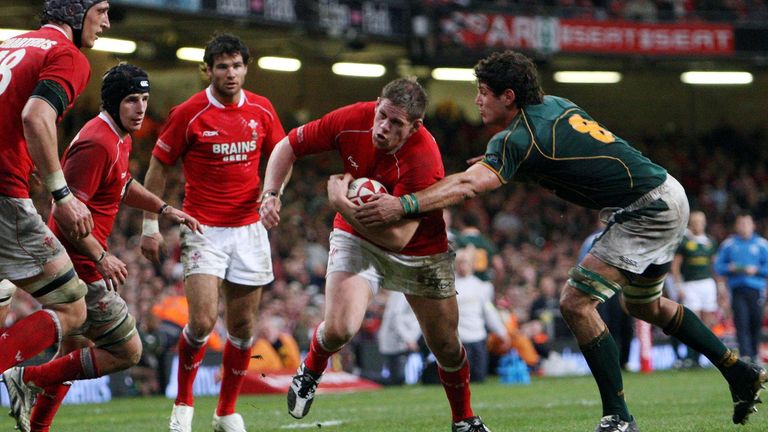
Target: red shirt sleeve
<point x="70" y="69"/>
<point x="85" y="168"/>
<point x="173" y="138"/>
<point x="318" y="135"/>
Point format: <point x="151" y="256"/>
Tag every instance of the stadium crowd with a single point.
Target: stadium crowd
<point x="536" y="236"/>
<point x="633" y="10"/>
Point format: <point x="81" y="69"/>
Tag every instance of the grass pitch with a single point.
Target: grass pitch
<point x="684" y="401"/>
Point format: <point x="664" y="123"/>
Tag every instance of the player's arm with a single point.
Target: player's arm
<point x="39" y="121"/>
<point x="394" y="236"/>
<point x="154" y="182"/>
<point x="84" y="169"/>
<point x="276" y="176"/>
<point x="455" y="188"/>
<point x="137" y="196"/>
<point x="109" y="266"/>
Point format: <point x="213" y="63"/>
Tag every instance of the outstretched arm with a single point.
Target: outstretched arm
<point x="455" y="188"/>
<point x="277" y="174"/>
<point x="137" y="196"/>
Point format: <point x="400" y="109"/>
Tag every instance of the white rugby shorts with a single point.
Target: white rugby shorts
<point x="426" y="276"/>
<point x="27" y="242"/>
<point x="239" y="255"/>
<point x="700" y="295"/>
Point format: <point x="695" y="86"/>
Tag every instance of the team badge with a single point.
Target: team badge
<point x="254" y="125"/>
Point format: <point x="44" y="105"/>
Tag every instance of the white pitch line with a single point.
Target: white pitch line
<point x="312" y="425"/>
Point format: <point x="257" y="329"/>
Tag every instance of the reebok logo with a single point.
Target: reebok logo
<point x="238" y="372"/>
<point x="210" y="133"/>
<point x="19" y="357"/>
<point x="353" y="163"/>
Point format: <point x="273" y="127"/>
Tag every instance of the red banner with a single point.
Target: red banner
<point x="547" y="34"/>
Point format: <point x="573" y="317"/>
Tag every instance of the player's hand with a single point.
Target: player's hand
<point x="338" y="185"/>
<point x="113" y="270"/>
<point x="474" y="160"/>
<point x="269" y="211"/>
<point x="74" y="218"/>
<point x="177" y="216"/>
<point x="381" y="209"/>
<point x="150" y="247"/>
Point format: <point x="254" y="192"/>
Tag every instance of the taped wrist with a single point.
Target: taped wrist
<point x="57" y="185"/>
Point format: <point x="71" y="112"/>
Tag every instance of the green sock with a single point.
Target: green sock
<point x="602" y="356"/>
<point x="687" y="327"/>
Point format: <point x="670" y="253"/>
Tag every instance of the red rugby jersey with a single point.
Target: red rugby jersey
<point x="413" y="167"/>
<point x="220" y="146"/>
<point x="96" y="168"/>
<point x="44" y="54"/>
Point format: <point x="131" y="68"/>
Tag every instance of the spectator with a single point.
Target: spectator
<point x="275" y="350"/>
<point x="398" y="337"/>
<point x="476" y="312"/>
<point x="743" y="261"/>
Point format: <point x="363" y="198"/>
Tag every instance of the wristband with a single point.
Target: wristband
<point x="57" y="186"/>
<point x="269" y="194"/>
<point x="410" y="204"/>
<point x="101" y="258"/>
<point x="150" y="227"/>
<point x="162" y="208"/>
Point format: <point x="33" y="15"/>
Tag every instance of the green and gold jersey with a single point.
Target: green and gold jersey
<point x="559" y="146"/>
<point x="698" y="253"/>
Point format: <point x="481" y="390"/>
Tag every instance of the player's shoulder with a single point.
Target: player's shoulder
<point x="761" y="241"/>
<point x="258" y="103"/>
<point x="192" y="106"/>
<point x="255" y="98"/>
<point x="98" y="131"/>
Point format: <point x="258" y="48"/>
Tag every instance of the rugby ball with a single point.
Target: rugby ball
<point x="362" y="189"/>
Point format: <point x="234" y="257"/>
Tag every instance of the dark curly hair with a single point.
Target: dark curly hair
<point x="225" y="43"/>
<point x="511" y="70"/>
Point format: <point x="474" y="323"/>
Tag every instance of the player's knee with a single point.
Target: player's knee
<point x="200" y="327"/>
<point x="574" y="304"/>
<point x="71" y="315"/>
<point x="446" y="349"/>
<point x="338" y="334"/>
<point x="241" y="328"/>
<point x="584" y="289"/>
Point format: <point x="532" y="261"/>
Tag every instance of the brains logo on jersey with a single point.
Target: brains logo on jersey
<point x="362" y="189"/>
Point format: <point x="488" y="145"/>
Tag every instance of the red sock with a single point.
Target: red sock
<point x="80" y="364"/>
<point x="456" y="385"/>
<point x="46" y="407"/>
<point x="317" y="358"/>
<point x="235" y="365"/>
<point x="190" y="358"/>
<point x="27" y="338"/>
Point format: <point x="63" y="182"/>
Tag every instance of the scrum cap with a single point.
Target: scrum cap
<point x="71" y="12"/>
<point x="120" y="81"/>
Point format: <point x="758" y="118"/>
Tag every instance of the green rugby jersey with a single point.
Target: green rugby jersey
<point x="697" y="253"/>
<point x="559" y="146"/>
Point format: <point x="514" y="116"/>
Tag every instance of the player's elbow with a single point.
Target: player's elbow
<point x="33" y="124"/>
